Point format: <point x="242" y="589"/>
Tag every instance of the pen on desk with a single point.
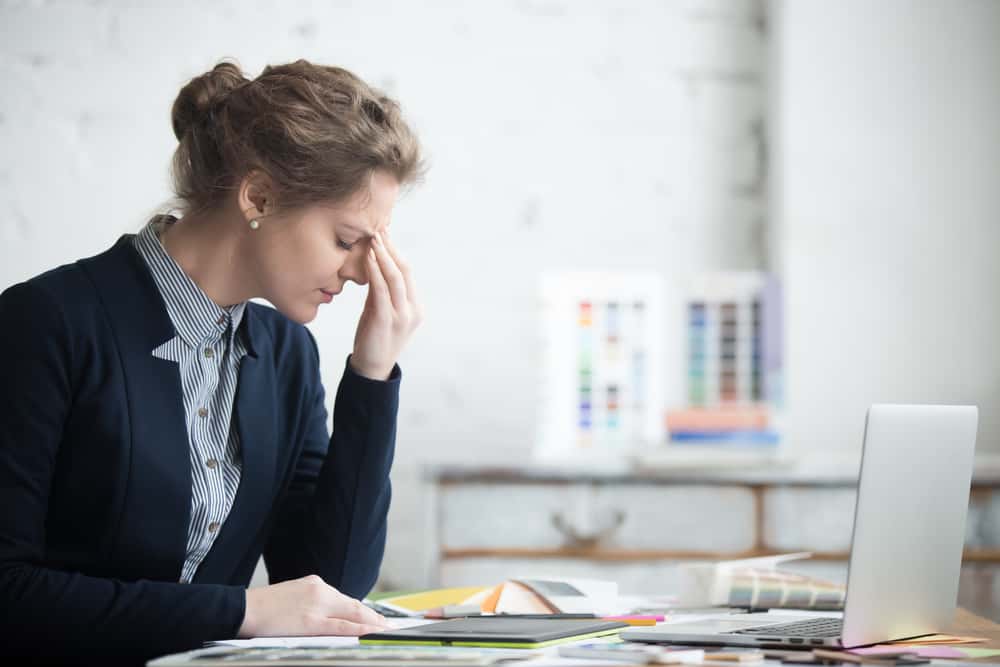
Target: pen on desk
<point x="628" y="619"/>
<point x="451" y="611"/>
<point x="506" y="615"/>
<point x="457" y="611"/>
<point x="637" y="619"/>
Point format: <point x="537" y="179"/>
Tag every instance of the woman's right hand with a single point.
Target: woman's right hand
<point x="306" y="606"/>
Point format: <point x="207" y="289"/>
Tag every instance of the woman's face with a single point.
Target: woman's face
<point x="302" y="259"/>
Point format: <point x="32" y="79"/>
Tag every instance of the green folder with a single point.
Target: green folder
<point x="497" y="632"/>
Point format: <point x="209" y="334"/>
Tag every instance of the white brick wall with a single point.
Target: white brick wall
<point x="561" y="134"/>
<point x="886" y="134"/>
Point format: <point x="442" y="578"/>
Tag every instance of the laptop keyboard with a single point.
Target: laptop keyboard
<point x="812" y="627"/>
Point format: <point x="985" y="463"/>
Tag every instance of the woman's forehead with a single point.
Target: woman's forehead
<point x="363" y="222"/>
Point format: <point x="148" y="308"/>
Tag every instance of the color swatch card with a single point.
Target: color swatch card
<point x="601" y="389"/>
<point x="731" y="338"/>
<point x="734" y="346"/>
<point x="723" y="379"/>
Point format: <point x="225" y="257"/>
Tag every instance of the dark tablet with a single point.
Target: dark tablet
<point x="498" y="632"/>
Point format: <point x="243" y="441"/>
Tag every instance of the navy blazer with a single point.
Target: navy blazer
<point x="95" y="479"/>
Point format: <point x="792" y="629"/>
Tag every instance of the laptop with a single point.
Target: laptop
<point x="906" y="551"/>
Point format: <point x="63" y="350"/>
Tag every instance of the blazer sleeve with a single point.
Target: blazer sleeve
<point x="60" y="615"/>
<point x="332" y="519"/>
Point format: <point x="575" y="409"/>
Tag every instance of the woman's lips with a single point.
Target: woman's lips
<point x="328" y="295"/>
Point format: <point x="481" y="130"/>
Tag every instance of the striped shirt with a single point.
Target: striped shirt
<point x="208" y="352"/>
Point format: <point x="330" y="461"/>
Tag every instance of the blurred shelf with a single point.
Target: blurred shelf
<point x="807" y="471"/>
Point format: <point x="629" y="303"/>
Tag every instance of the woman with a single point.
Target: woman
<point x="159" y="432"/>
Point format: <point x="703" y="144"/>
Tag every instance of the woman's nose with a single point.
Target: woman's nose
<point x="353" y="269"/>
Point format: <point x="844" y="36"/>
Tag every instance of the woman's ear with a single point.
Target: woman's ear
<point x="256" y="194"/>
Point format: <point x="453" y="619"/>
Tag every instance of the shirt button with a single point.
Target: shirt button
<point x="221" y="320"/>
<point x="214" y="526"/>
<point x="212" y="463"/>
<point x="202" y="412"/>
<point x="209" y="352"/>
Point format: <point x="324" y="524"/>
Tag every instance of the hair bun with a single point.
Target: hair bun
<point x="202" y="94"/>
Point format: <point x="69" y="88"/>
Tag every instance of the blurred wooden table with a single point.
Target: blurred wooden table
<point x="968" y="624"/>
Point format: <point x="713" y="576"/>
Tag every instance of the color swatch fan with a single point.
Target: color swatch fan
<point x="601" y="359"/>
<point x="757" y="583"/>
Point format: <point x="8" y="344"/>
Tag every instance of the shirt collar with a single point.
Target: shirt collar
<point x="196" y="318"/>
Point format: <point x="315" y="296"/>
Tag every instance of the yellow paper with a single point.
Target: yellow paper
<point x="436" y="598"/>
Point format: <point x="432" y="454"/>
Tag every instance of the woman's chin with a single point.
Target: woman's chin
<point x="300" y="313"/>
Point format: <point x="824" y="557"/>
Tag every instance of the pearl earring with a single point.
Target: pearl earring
<point x="254" y="224"/>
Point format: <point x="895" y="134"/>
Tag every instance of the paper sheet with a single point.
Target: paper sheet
<point x="314" y="642"/>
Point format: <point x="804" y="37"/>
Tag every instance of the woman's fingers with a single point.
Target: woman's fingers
<point x="378" y="289"/>
<point x="350" y="609"/>
<point x="336" y="604"/>
<point x="306" y="606"/>
<point x="391" y="273"/>
<point x="404" y="268"/>
<point x="340" y="628"/>
<point x="345" y="616"/>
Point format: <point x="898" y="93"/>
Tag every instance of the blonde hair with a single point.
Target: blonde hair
<point x="319" y="132"/>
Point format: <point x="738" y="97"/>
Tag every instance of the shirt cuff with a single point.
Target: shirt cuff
<point x="395" y="375"/>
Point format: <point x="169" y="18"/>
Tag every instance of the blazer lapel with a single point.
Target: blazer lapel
<point x="152" y="533"/>
<point x="255" y="415"/>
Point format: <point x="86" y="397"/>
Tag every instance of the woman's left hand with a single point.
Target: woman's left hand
<point x="391" y="311"/>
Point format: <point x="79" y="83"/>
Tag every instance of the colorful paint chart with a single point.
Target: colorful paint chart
<point x="727" y="355"/>
<point x="621" y="349"/>
<point x="600" y="392"/>
<point x="608" y="339"/>
<point x="733" y="362"/>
